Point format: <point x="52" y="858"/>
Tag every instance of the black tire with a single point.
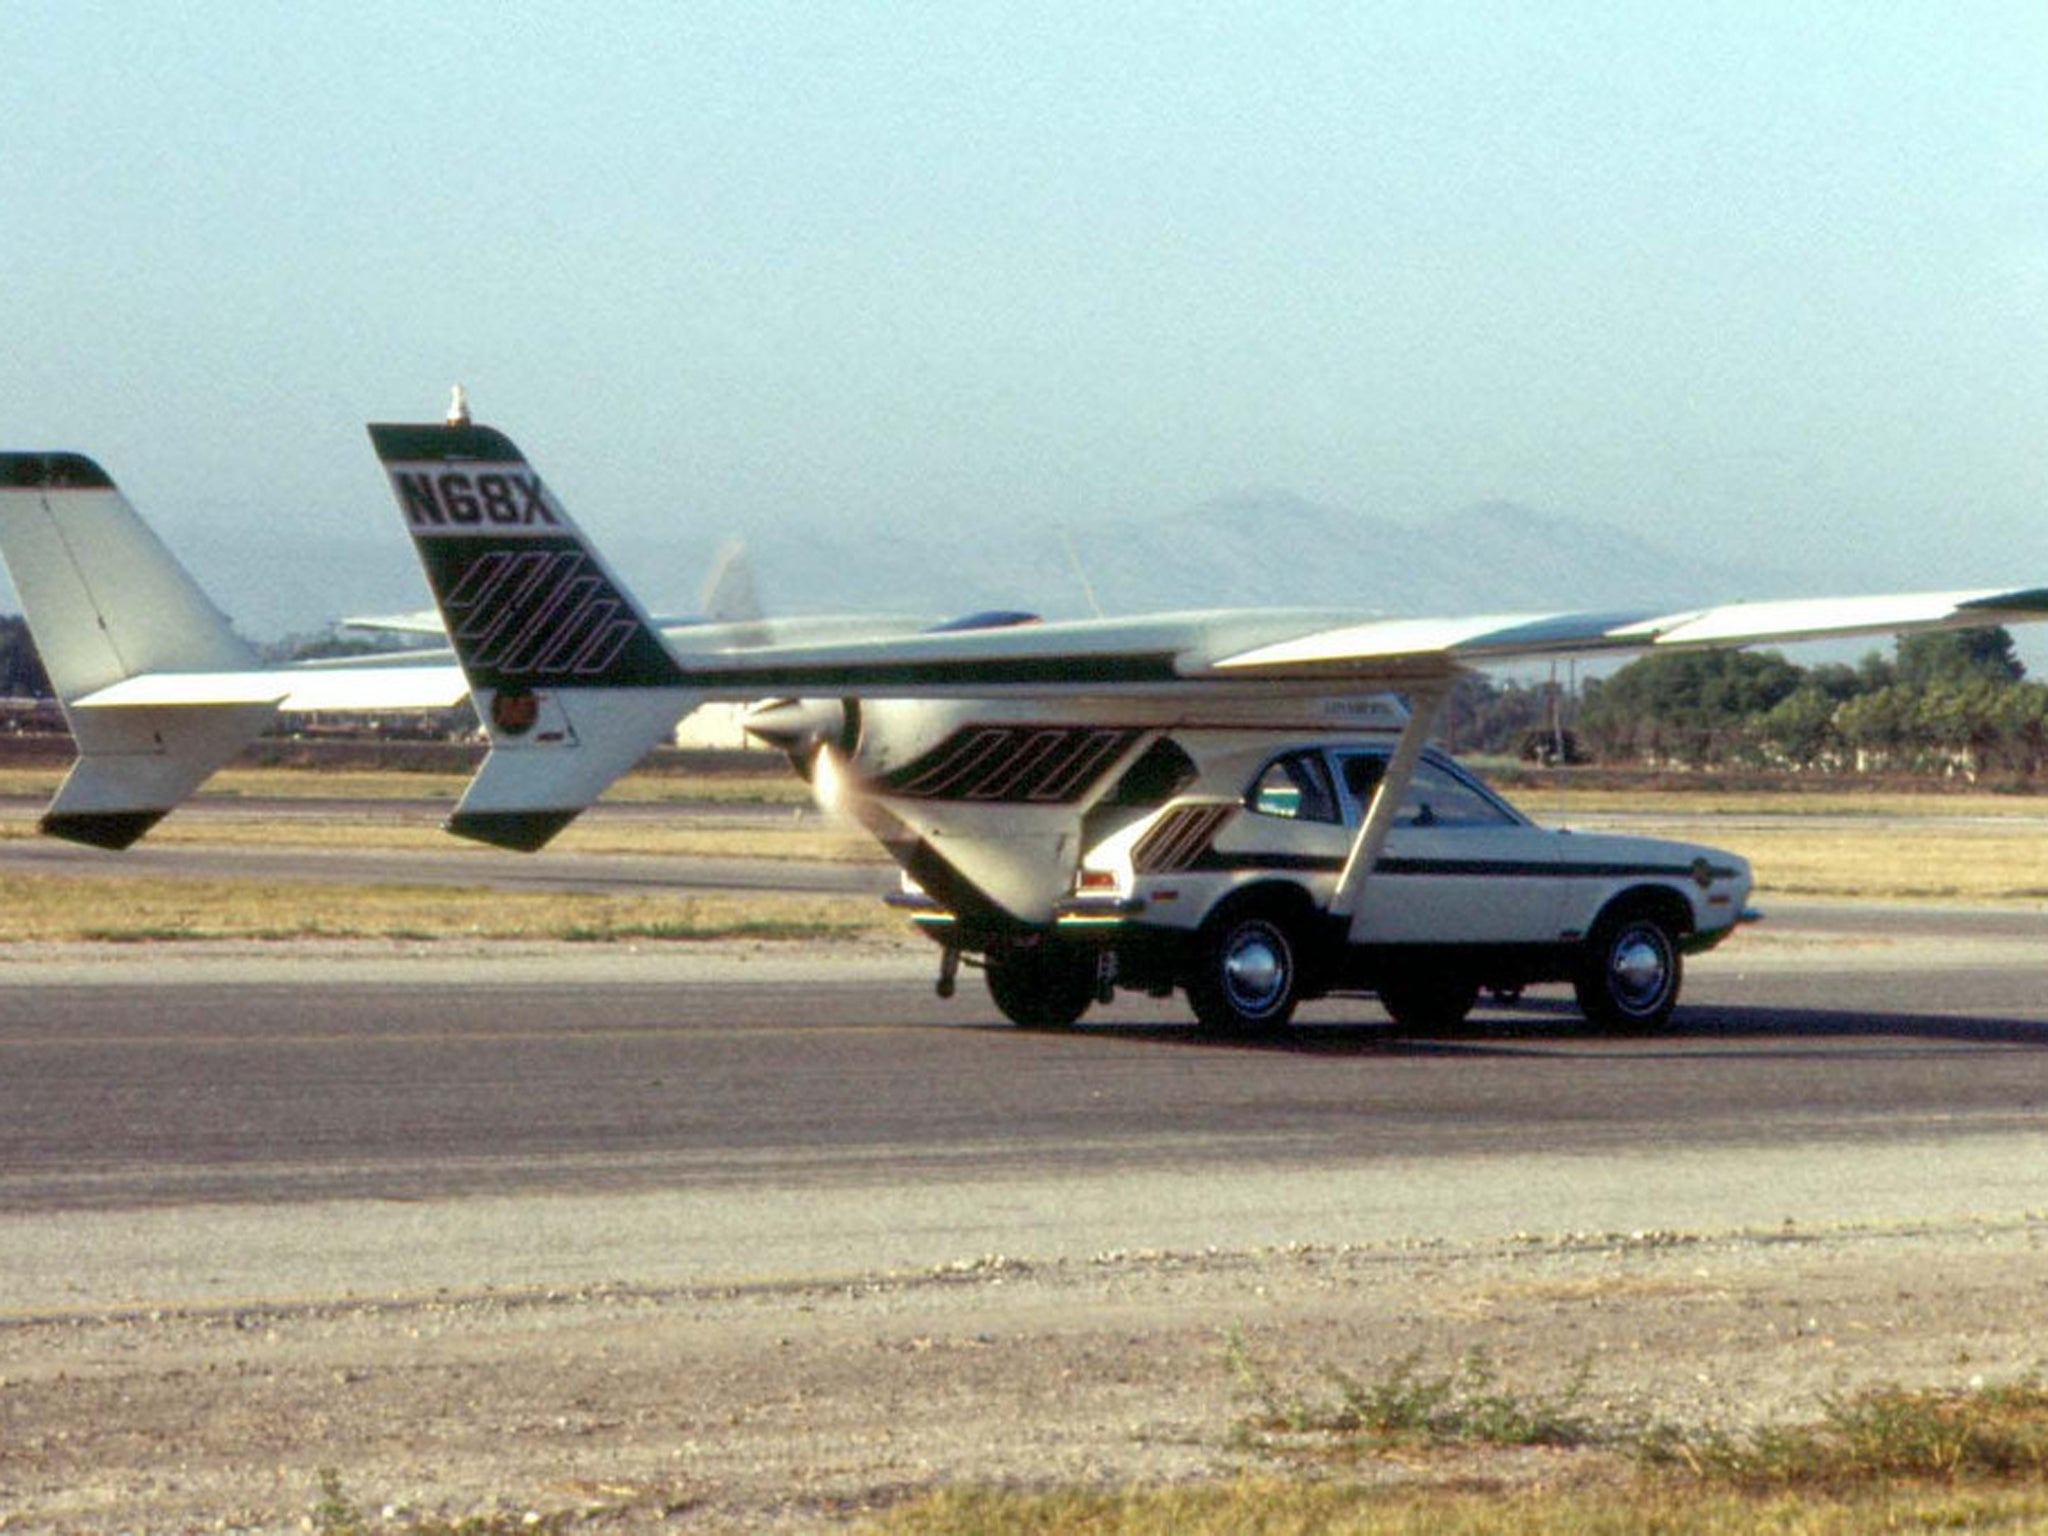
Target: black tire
<point x="1245" y="974"/>
<point x="1428" y="1002"/>
<point x="1048" y="986"/>
<point x="1630" y="973"/>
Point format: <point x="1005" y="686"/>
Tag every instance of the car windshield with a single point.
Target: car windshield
<point x="1438" y="796"/>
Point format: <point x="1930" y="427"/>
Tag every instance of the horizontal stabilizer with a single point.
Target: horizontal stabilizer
<point x="293" y="690"/>
<point x="135" y="764"/>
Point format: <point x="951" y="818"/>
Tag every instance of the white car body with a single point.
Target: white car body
<point x="1466" y="893"/>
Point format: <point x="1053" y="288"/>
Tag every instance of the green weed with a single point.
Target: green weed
<point x="1891" y="1434"/>
<point x="1407" y="1405"/>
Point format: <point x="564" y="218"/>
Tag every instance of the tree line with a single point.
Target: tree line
<point x="1956" y="702"/>
<point x="21" y="669"/>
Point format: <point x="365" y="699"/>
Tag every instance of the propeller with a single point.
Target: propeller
<point x="800" y="728"/>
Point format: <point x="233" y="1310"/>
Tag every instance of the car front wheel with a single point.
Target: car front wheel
<point x="1246" y="973"/>
<point x="1630" y="974"/>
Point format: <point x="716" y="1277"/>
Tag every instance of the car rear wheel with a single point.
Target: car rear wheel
<point x="1630" y="973"/>
<point x="1047" y="986"/>
<point x="1429" y="1002"/>
<point x="1246" y="973"/>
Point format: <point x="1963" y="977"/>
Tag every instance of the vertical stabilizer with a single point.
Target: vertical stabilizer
<point x="105" y="598"/>
<point x="570" y="677"/>
<point x="106" y="601"/>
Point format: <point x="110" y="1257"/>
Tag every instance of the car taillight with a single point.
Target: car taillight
<point x="1095" y="880"/>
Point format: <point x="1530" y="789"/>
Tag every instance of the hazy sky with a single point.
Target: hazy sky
<point x="1762" y="275"/>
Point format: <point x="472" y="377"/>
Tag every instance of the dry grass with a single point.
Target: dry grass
<point x="1569" y="803"/>
<point x="1962" y="854"/>
<point x="1885" y="1460"/>
<point x="1277" y="1507"/>
<point x="801" y="832"/>
<point x="1891" y="1434"/>
<point x="772" y="784"/>
<point x="35" y="907"/>
<point x="806" y="836"/>
<point x="1973" y="864"/>
<point x="1966" y="848"/>
<point x="770" y="817"/>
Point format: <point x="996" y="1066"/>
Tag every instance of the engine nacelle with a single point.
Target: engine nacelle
<point x="874" y="737"/>
<point x="871" y="738"/>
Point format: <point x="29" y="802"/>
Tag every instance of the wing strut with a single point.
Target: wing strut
<point x="1425" y="707"/>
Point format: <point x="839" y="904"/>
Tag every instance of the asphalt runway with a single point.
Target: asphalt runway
<point x="140" y="1081"/>
<point x="195" y="1122"/>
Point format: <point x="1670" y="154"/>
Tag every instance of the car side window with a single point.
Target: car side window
<point x="1438" y="798"/>
<point x="1297" y="787"/>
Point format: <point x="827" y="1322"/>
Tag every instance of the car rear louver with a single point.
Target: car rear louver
<point x="1179" y="838"/>
<point x="1012" y="764"/>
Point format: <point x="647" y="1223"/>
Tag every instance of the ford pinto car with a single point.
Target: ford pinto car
<point x="1217" y="862"/>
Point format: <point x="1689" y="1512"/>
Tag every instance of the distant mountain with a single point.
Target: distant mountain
<point x="1280" y="549"/>
<point x="1264" y="550"/>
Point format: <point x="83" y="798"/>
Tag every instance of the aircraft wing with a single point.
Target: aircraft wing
<point x="1250" y="651"/>
<point x="419" y="621"/>
<point x="427" y="623"/>
<point x="1358" y="649"/>
<point x="1204" y="653"/>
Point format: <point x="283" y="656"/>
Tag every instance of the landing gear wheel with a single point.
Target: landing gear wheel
<point x="1048" y="986"/>
<point x="1629" y="975"/>
<point x="1428" y="1002"/>
<point x="1246" y="973"/>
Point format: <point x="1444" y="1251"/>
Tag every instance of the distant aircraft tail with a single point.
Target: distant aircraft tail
<point x="569" y="675"/>
<point x="107" y="601"/>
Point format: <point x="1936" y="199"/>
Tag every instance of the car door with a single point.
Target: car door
<point x="1460" y="865"/>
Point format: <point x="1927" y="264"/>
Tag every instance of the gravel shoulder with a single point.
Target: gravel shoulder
<point x="796" y="1405"/>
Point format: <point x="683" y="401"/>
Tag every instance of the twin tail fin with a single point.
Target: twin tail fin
<point x="570" y="677"/>
<point x="106" y="601"/>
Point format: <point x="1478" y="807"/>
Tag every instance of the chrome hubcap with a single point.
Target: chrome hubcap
<point x="1255" y="970"/>
<point x="1639" y="968"/>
